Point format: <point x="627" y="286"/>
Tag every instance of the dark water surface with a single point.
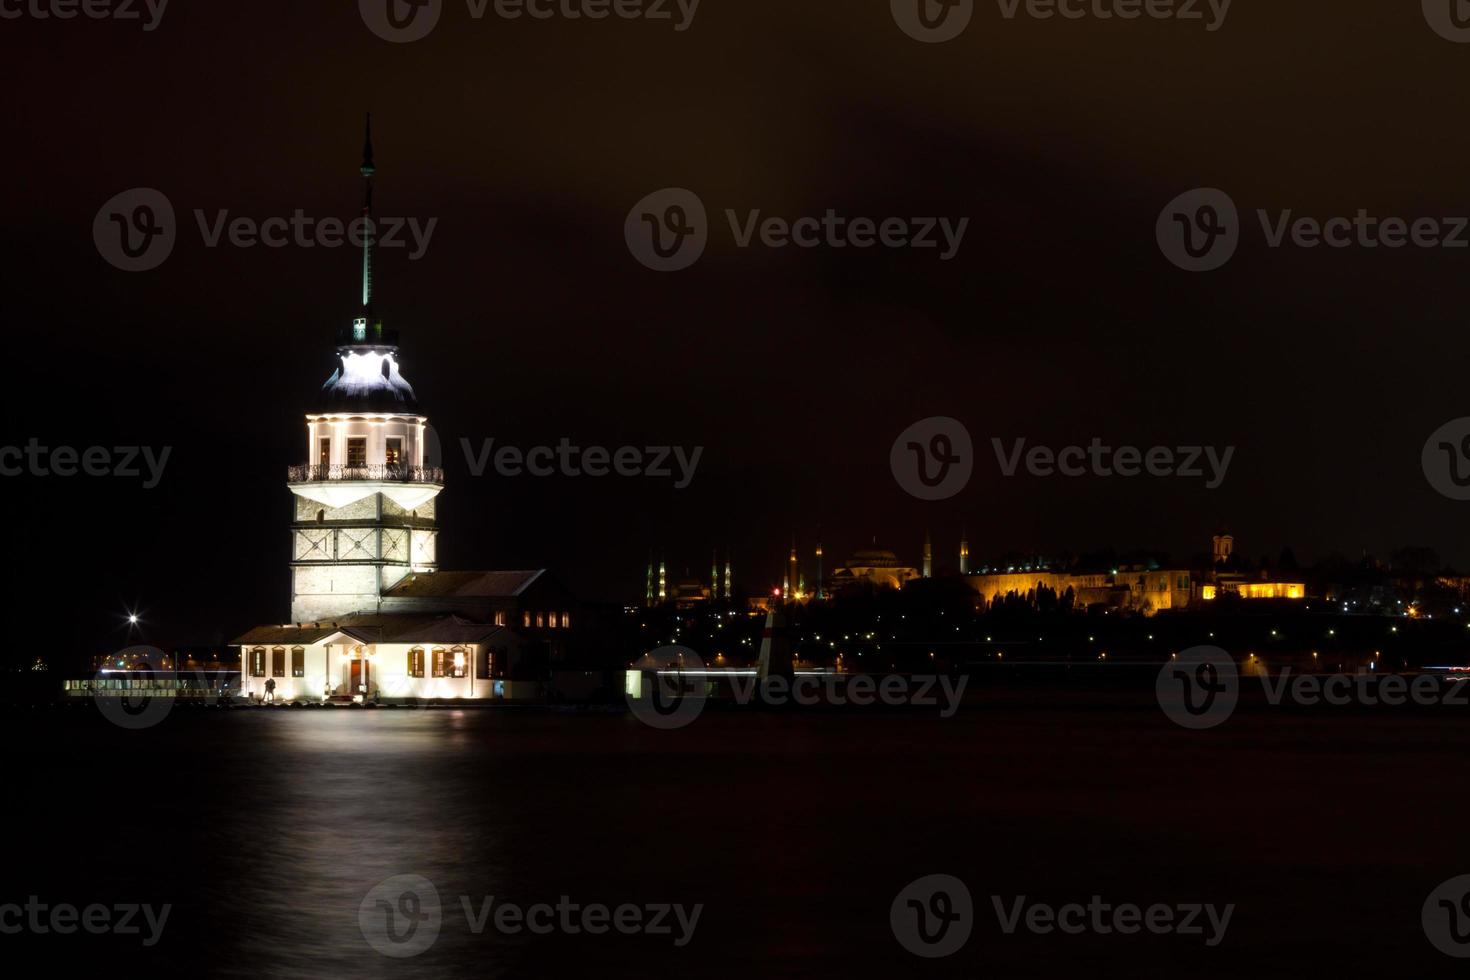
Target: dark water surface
<point x="265" y="830"/>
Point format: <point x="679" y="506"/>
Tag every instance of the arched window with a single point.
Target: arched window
<point x="298" y="662"/>
<point x="438" y="661"/>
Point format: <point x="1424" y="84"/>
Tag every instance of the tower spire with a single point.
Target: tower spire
<point x="369" y="230"/>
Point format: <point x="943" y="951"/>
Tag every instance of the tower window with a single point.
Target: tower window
<point x="394" y="453"/>
<point x="357" y="452"/>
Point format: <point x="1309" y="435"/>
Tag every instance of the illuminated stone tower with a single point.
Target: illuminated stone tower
<point x="729" y="577"/>
<point x="364" y="500"/>
<point x="964" y="552"/>
<point x="928" y="556"/>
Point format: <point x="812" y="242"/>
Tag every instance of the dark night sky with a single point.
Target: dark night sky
<point x="528" y="320"/>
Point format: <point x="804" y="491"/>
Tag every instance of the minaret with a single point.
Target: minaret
<point x="964" y="552"/>
<point x="793" y="571"/>
<point x="819" y="563"/>
<point x="714" y="574"/>
<point x="364" y="501"/>
<point x="928" y="556"/>
<point x="663" y="580"/>
<point x="648" y="586"/>
<point x="729" y="589"/>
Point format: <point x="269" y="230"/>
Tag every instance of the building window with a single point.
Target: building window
<point x="527" y="620"/>
<point x="298" y="662"/>
<point x="540" y="620"/>
<point x="459" y="663"/>
<point x="357" y="451"/>
<point x="500" y="618"/>
<point x="324" y="452"/>
<point x="438" y="662"/>
<point x="566" y="620"/>
<point x="278" y="662"/>
<point x="393" y="455"/>
<point x="416" y="662"/>
<point x="257" y="662"/>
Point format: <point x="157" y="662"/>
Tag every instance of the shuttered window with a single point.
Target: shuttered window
<point x="416" y="662"/>
<point x="438" y="663"/>
<point x="278" y="662"/>
<point x="257" y="662"/>
<point x="298" y="662"/>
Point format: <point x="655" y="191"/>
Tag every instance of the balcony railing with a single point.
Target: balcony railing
<point x="382" y="472"/>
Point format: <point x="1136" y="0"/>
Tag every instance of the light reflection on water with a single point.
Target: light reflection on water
<point x="336" y="801"/>
<point x="265" y="829"/>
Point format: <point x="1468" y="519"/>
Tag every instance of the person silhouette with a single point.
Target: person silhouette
<point x="270" y="689"/>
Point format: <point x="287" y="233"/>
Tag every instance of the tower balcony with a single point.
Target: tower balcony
<point x="371" y="473"/>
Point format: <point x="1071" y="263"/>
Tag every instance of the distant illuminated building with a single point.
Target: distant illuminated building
<point x="1223" y="546"/>
<point x="928" y="556"/>
<point x="877" y="567"/>
<point x="964" y="552"/>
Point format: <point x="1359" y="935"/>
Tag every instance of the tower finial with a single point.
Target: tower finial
<point x="367" y="147"/>
<point x="369" y="230"/>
